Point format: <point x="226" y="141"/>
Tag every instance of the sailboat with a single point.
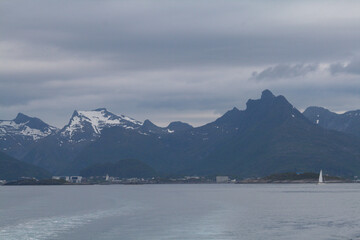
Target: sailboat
<point x="321" y="180"/>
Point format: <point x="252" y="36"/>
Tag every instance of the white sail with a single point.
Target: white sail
<point x="321" y="177"/>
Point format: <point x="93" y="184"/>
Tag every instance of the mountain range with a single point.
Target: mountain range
<point x="348" y="122"/>
<point x="269" y="136"/>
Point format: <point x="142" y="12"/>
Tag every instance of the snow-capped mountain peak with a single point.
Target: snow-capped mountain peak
<point x="89" y="124"/>
<point x="26" y="127"/>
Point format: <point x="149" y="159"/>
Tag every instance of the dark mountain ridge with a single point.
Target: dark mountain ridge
<point x="269" y="136"/>
<point x="348" y="122"/>
<point x="12" y="169"/>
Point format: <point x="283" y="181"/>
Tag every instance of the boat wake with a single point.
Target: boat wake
<point x="52" y="227"/>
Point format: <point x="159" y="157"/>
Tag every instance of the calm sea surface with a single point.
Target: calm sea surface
<point x="214" y="211"/>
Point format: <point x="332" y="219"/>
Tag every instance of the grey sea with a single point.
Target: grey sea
<point x="201" y="211"/>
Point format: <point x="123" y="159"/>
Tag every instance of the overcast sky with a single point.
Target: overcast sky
<point x="175" y="60"/>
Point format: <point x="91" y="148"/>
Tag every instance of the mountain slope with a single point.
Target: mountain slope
<point x="56" y="151"/>
<point x="276" y="137"/>
<point x="12" y="169"/>
<point x="18" y="134"/>
<point x="269" y="136"/>
<point x="87" y="125"/>
<point x="348" y="122"/>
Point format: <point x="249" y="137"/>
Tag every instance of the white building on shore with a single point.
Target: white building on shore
<point x="71" y="179"/>
<point x="222" y="179"/>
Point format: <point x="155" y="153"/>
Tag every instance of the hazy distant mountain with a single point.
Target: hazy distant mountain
<point x="12" y="169"/>
<point x="269" y="136"/>
<point x="179" y="126"/>
<point x="149" y="128"/>
<point x="16" y="135"/>
<point x="348" y="122"/>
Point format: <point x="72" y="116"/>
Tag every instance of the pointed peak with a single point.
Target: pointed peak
<point x="75" y="113"/>
<point x="20" y="115"/>
<point x="34" y="123"/>
<point x="230" y="114"/>
<point x="268" y="102"/>
<point x="148" y="126"/>
<point x="267" y="94"/>
<point x="21" y="118"/>
<point x="230" y="117"/>
<point x="147" y="122"/>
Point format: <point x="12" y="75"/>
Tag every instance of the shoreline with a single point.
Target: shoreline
<point x="190" y="183"/>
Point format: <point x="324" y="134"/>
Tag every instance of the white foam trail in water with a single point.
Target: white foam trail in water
<point x="51" y="227"/>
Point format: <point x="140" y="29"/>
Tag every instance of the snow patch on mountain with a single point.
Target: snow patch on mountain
<point x="74" y="125"/>
<point x="10" y="127"/>
<point x="95" y="121"/>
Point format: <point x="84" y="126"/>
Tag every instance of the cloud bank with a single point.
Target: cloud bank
<point x="284" y="71"/>
<point x="352" y="67"/>
<point x="174" y="60"/>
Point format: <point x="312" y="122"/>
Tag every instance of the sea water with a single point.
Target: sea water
<point x="181" y="211"/>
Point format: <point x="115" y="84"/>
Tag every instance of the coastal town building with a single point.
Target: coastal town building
<point x="75" y="179"/>
<point x="71" y="179"/>
<point x="222" y="179"/>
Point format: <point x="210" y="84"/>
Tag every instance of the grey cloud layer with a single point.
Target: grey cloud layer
<point x="285" y="71"/>
<point x="156" y="59"/>
<point x="352" y="67"/>
<point x="172" y="33"/>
